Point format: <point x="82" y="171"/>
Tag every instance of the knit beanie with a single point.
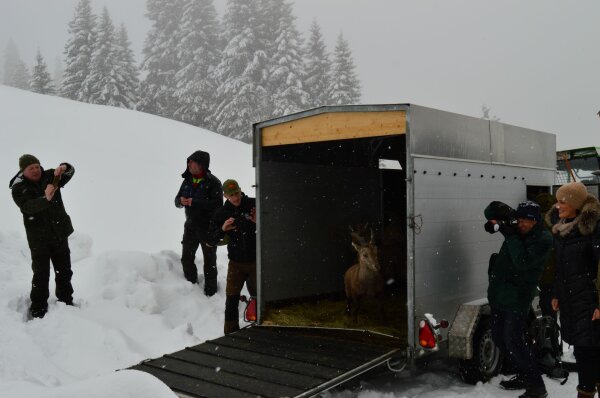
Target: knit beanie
<point x="573" y="193"/>
<point x="27" y="160"/>
<point x="529" y="210"/>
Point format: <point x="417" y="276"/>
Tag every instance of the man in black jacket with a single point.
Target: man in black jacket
<point x="235" y="223"/>
<point x="201" y="195"/>
<point x="37" y="193"/>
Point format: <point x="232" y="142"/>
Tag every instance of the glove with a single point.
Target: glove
<point x="491" y="227"/>
<point x="507" y="229"/>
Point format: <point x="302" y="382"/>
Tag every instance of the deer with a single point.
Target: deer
<point x="363" y="279"/>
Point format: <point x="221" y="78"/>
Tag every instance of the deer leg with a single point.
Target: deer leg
<point x="355" y="308"/>
<point x="348" y="309"/>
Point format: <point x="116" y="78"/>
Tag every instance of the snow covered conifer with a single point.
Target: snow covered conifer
<point x="318" y="68"/>
<point x="101" y="83"/>
<point x="78" y="52"/>
<point x="15" y="70"/>
<point x="126" y="71"/>
<point x="20" y="76"/>
<point x="345" y="86"/>
<point x="242" y="99"/>
<point x="160" y="58"/>
<point x="41" y="81"/>
<point x="198" y="55"/>
<point x="286" y="70"/>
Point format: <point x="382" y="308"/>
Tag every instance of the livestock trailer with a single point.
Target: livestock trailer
<point x="420" y="178"/>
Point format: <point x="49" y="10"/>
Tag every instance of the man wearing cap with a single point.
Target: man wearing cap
<point x="513" y="277"/>
<point x="37" y="192"/>
<point x="575" y="221"/>
<point x="235" y="223"/>
<point x="201" y="195"/>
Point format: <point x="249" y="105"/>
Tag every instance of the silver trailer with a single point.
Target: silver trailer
<point x="421" y="178"/>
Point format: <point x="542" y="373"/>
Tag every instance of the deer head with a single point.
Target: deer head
<point x="367" y="250"/>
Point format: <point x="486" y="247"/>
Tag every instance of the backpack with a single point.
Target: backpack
<point x="547" y="347"/>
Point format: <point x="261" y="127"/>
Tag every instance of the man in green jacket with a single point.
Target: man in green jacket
<point x="513" y="278"/>
<point x="37" y="193"/>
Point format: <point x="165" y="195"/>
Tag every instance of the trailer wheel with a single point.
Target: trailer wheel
<point x="487" y="358"/>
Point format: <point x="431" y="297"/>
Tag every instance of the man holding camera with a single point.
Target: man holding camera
<point x="201" y="195"/>
<point x="514" y="274"/>
<point x="235" y="224"/>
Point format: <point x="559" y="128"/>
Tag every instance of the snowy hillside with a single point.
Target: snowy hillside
<point x="132" y="300"/>
<point x="127" y="166"/>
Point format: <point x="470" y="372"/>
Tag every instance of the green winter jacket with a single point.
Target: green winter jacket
<point x="515" y="272"/>
<point x="44" y="221"/>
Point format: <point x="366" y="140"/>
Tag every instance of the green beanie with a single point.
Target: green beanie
<point x="27" y="160"/>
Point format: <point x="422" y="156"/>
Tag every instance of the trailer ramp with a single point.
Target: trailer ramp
<point x="270" y="361"/>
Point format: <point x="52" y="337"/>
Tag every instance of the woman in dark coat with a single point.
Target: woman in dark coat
<point x="575" y="224"/>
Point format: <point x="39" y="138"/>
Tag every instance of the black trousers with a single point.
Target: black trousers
<point x="190" y="244"/>
<point x="59" y="253"/>
<point x="507" y="333"/>
<point x="588" y="367"/>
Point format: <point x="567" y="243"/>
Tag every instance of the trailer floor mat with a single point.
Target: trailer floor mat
<point x="268" y="361"/>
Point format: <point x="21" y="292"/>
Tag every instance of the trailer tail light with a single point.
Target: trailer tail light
<point x="427" y="337"/>
<point x="250" y="311"/>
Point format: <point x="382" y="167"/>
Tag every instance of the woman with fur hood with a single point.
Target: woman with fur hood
<point x="575" y="221"/>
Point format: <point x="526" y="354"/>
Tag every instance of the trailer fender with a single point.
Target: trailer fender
<point x="462" y="330"/>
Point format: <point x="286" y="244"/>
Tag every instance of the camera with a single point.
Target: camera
<point x="239" y="218"/>
<point x="504" y="215"/>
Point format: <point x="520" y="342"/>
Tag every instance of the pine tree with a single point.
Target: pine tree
<point x="11" y="61"/>
<point x="20" y="77"/>
<point x="59" y="71"/>
<point x="242" y="100"/>
<point x="284" y="48"/>
<point x="126" y="71"/>
<point x="318" y="68"/>
<point x="15" y="70"/>
<point x="78" y="52"/>
<point x="101" y="83"/>
<point x="345" y="86"/>
<point x="160" y="58"/>
<point x="199" y="53"/>
<point x="41" y="81"/>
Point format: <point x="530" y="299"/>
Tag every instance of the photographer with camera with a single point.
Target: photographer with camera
<point x="513" y="277"/>
<point x="235" y="224"/>
<point x="200" y="196"/>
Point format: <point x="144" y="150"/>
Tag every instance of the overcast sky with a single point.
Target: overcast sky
<point x="535" y="63"/>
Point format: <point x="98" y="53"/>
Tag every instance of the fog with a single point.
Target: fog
<point x="535" y="63"/>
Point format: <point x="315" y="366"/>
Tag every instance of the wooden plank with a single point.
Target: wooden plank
<point x="224" y="378"/>
<point x="335" y="126"/>
<point x="192" y="386"/>
<point x="255" y="370"/>
<point x="267" y="360"/>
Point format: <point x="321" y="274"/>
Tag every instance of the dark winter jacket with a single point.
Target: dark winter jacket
<point x="515" y="271"/>
<point x="577" y="250"/>
<point x="241" y="244"/>
<point x="207" y="197"/>
<point x="44" y="221"/>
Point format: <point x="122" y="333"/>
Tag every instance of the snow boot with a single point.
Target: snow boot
<point x="230" y="327"/>
<point x="534" y="392"/>
<point x="210" y="287"/>
<point x="515" y="383"/>
<point x="585" y="394"/>
<point x="36" y="312"/>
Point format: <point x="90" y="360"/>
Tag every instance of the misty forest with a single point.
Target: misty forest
<point x="222" y="74"/>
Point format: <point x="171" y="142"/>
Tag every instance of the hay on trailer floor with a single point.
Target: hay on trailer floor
<point x="331" y="313"/>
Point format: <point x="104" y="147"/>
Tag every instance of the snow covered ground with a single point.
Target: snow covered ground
<point x="133" y="302"/>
